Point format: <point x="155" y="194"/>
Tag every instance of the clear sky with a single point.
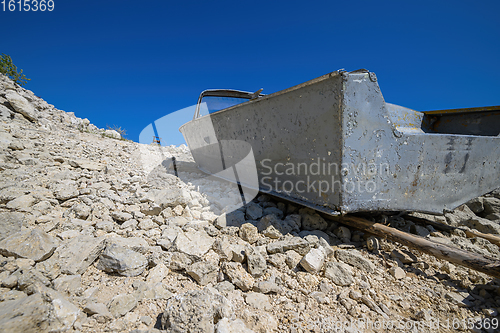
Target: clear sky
<point x="128" y="63"/>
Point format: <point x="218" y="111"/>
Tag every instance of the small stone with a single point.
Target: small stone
<point x="121" y="260"/>
<point x="457" y="299"/>
<point x="272" y="232"/>
<point x="326" y="287"/>
<point x="397" y="272"/>
<point x="405" y="257"/>
<point x="194" y="243"/>
<point x="10" y="281"/>
<point x="150" y="291"/>
<point x="313" y="222"/>
<point x="146" y="320"/>
<point x="121" y="304"/>
<point x="118" y="325"/>
<point x="157" y="273"/>
<point x="23" y="263"/>
<point x="326" y="247"/>
<point x="16" y="145"/>
<point x="31" y="280"/>
<point x="419" y="230"/>
<point x="253" y="211"/>
<point x="129" y="224"/>
<point x="226" y="325"/>
<point x="258" y="301"/>
<point x="112" y="133"/>
<point x="179" y="261"/>
<point x="147" y="224"/>
<point x="374" y="307"/>
<point x="100" y="309"/>
<point x="238" y="253"/>
<point x="255" y="261"/>
<point x="178" y="210"/>
<point x="483" y="225"/>
<point x="344" y="234"/>
<point x="249" y="233"/>
<point x="203" y="272"/>
<point x="222" y="246"/>
<point x="490" y="312"/>
<point x="314" y="260"/>
<point x="320" y="297"/>
<point x="273" y="211"/>
<point x="354" y="258"/>
<point x="195" y="311"/>
<point x="491" y="205"/>
<point x="137" y="244"/>
<point x="86" y="164"/>
<point x="224" y="287"/>
<point x="131" y="318"/>
<point x="448" y="267"/>
<point x="339" y="273"/>
<point x="267" y="287"/>
<point x="81" y="210"/>
<point x="65" y="313"/>
<point x="476" y="205"/>
<point x="107" y="226"/>
<point x="260" y="321"/>
<point x="121" y="216"/>
<point x="68" y="284"/>
<point x="68" y="234"/>
<point x="292" y="258"/>
<point x="355" y="295"/>
<point x="65" y="192"/>
<point x="12" y="295"/>
<point x="293" y="223"/>
<point x="233" y="219"/>
<point x="423" y="315"/>
<point x="238" y="276"/>
<point x="177" y="221"/>
<point x="296" y="243"/>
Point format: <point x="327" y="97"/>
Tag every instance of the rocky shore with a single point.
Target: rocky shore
<point x="98" y="235"/>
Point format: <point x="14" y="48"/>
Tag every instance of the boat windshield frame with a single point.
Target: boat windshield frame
<point x="225" y="93"/>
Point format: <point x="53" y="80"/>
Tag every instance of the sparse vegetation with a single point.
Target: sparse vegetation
<point x="122" y="131"/>
<point x="8" y="68"/>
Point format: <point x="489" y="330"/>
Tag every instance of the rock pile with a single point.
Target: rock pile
<point x="97" y="235"/>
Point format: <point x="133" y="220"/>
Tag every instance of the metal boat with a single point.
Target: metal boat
<point x="334" y="144"/>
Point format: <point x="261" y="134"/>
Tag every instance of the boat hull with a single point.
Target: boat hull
<point x="334" y="144"/>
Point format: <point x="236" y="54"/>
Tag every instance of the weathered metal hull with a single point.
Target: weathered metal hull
<point x="335" y="144"/>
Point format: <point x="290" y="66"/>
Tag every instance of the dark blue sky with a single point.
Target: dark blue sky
<point x="127" y="63"/>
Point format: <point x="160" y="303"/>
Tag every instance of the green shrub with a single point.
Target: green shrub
<point x="9" y="69"/>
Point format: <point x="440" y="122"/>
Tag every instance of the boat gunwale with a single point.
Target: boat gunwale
<point x="296" y="87"/>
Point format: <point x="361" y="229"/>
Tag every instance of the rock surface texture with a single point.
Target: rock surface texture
<point x="97" y="234"/>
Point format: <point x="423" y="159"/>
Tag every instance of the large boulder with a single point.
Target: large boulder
<point x="47" y="311"/>
<point x="75" y="255"/>
<point x="21" y="105"/>
<point x="31" y="244"/>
